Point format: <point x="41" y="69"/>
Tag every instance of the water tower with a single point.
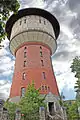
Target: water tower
<point x="32" y="33"/>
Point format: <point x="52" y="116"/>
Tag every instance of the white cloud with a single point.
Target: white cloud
<point x="32" y="3"/>
<point x="5" y="43"/>
<point x="6" y="63"/>
<point x="66" y="30"/>
<point x="4" y="89"/>
<point x="64" y="76"/>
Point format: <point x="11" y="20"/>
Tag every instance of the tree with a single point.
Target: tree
<point x="11" y="107"/>
<point x="72" y="111"/>
<point x="75" y="67"/>
<point x="31" y="103"/>
<point x="6" y="6"/>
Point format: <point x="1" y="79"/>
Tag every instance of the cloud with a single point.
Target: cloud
<point x="4" y="89"/>
<point x="31" y="3"/>
<point x="6" y="61"/>
<point x="68" y="93"/>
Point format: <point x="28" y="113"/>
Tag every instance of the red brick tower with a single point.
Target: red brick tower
<point x="32" y="33"/>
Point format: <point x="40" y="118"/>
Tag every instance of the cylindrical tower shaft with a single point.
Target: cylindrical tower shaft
<point x="33" y="63"/>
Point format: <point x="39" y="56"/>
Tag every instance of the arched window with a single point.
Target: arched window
<point x="24" y="76"/>
<point x="42" y="63"/>
<point x="23" y="90"/>
<point x="25" y="48"/>
<point x="25" y="54"/>
<point x="43" y="75"/>
<point x="45" y="87"/>
<point x="40" y="48"/>
<point x="24" y="63"/>
<point x="42" y="87"/>
<point x="48" y="88"/>
<point x="41" y="54"/>
<point x="39" y="19"/>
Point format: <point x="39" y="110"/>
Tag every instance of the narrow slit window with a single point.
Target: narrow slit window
<point x="40" y="48"/>
<point x="45" y="87"/>
<point x="23" y="90"/>
<point x="44" y="76"/>
<point x="42" y="63"/>
<point x="48" y="88"/>
<point x="24" y="20"/>
<point x="41" y="54"/>
<point x="24" y="63"/>
<point x="20" y="22"/>
<point x="44" y="22"/>
<point x="24" y="76"/>
<point x="25" y="48"/>
<point x="25" y="54"/>
<point x="39" y="20"/>
<point x="42" y="87"/>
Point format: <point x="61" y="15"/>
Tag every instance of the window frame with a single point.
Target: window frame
<point x="43" y="74"/>
<point x="24" y="76"/>
<point x="23" y="92"/>
<point x="25" y="63"/>
<point x="25" y="54"/>
<point x="41" y="54"/>
<point x="42" y="63"/>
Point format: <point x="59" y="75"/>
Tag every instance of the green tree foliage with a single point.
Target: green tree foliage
<point x="75" y="67"/>
<point x="6" y="6"/>
<point x="72" y="110"/>
<point x="29" y="104"/>
<point x="11" y="107"/>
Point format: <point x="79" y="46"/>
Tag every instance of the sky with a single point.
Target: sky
<point x="67" y="13"/>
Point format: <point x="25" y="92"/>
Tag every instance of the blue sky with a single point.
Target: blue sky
<point x="68" y="14"/>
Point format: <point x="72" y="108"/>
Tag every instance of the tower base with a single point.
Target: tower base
<point x="53" y="112"/>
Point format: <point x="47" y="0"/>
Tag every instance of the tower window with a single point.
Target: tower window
<point x="24" y="76"/>
<point x="45" y="87"/>
<point x="44" y="22"/>
<point x="40" y="48"/>
<point x="25" y="48"/>
<point x="23" y="90"/>
<point x="41" y="54"/>
<point x="20" y="22"/>
<point x="44" y="77"/>
<point x="39" y="20"/>
<point x="42" y="63"/>
<point x="25" y="54"/>
<point x="42" y="87"/>
<point x="48" y="88"/>
<point x="24" y="20"/>
<point x="40" y="51"/>
<point x="24" y="63"/>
